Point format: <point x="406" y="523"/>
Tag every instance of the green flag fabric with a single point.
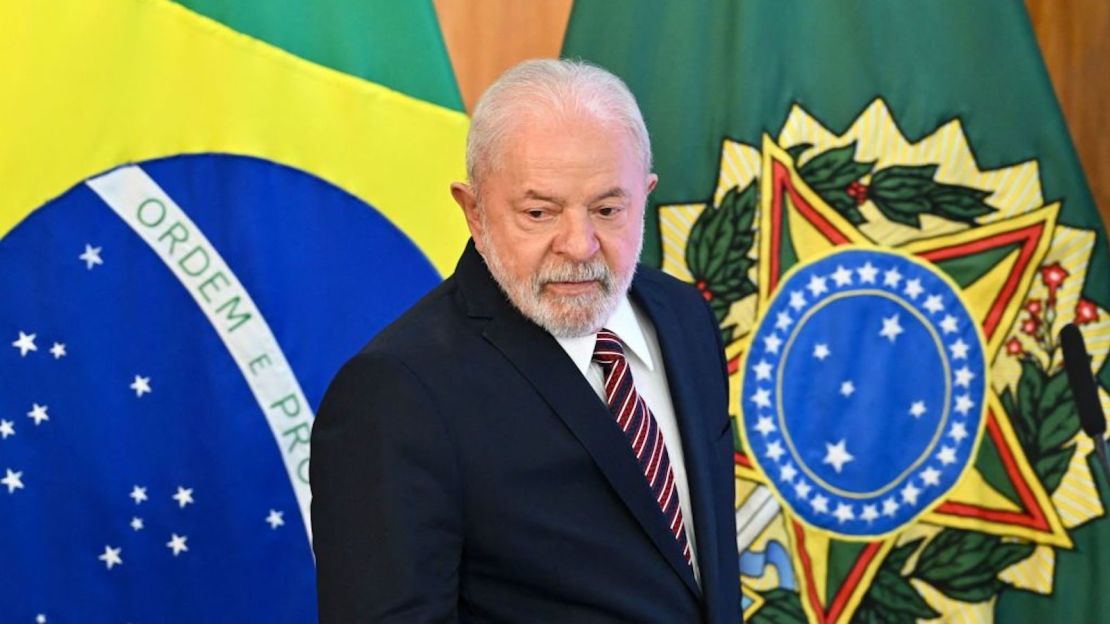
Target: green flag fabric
<point x="881" y="204"/>
<point x="395" y="44"/>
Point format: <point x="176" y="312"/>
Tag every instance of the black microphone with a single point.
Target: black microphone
<point x="1084" y="391"/>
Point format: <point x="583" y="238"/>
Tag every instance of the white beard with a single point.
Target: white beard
<point x="562" y="316"/>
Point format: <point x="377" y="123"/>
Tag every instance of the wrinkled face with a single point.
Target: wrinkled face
<point x="560" y="220"/>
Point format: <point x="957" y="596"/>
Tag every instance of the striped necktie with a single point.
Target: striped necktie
<point x="643" y="434"/>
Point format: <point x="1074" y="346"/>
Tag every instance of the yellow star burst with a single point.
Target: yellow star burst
<point x="996" y="262"/>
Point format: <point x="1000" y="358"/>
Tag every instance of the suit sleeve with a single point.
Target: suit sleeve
<point x="386" y="499"/>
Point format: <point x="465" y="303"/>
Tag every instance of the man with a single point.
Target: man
<point x="534" y="441"/>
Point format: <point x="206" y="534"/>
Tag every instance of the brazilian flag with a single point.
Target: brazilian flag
<point x="880" y="202"/>
<point x="205" y="209"/>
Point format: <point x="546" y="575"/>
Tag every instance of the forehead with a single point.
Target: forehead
<point x="537" y="146"/>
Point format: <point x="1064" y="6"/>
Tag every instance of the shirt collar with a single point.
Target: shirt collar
<point x="625" y="323"/>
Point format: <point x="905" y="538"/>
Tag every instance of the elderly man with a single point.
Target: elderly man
<point x="544" y="437"/>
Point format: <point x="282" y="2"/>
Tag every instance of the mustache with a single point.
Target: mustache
<point x="593" y="271"/>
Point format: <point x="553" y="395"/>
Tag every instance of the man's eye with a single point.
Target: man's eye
<point x="608" y="211"/>
<point x="535" y="214"/>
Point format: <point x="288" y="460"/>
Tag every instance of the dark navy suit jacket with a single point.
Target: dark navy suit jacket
<point x="463" y="469"/>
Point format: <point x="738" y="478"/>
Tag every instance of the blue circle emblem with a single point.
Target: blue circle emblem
<point x="863" y="391"/>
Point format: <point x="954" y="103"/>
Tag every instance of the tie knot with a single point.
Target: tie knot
<point x="607" y="349"/>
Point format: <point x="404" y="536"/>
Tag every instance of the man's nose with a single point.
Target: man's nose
<point x="577" y="239"/>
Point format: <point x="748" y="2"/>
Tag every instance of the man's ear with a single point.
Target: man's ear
<point x="467" y="199"/>
<point x="651" y="182"/>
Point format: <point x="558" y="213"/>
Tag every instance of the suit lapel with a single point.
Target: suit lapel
<point x="691" y="416"/>
<point x="541" y="360"/>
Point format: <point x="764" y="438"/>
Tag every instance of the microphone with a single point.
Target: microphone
<point x="1077" y="365"/>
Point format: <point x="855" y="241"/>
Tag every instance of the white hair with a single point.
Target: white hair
<point x="550" y="87"/>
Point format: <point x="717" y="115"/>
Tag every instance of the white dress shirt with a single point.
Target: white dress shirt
<point x="641" y="348"/>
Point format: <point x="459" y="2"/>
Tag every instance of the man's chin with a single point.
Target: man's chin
<point x="570" y="317"/>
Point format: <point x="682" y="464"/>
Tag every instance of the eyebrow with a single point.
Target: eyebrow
<point x="530" y="194"/>
<point x="608" y="193"/>
<point x="615" y="192"/>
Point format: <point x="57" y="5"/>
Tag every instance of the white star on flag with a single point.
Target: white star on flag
<point x="38" y="413"/>
<point x="964" y="377"/>
<point x="892" y="277"/>
<point x="821" y="351"/>
<point x="40" y="619"/>
<point x="836" y="455"/>
<point x="137" y="523"/>
<point x="958" y="432"/>
<point x="772" y="343"/>
<point x="930" y="476"/>
<point x="783" y="320"/>
<point x="764" y="425"/>
<point x="138" y="493"/>
<point x="820" y="504"/>
<point x="890" y="507"/>
<point x="13" y="480"/>
<point x="774" y="451"/>
<point x="141" y="385"/>
<point x="762" y="398"/>
<point x="787" y="472"/>
<point x="842" y="276"/>
<point x="948" y="324"/>
<point x="91" y="256"/>
<point x="964" y="404"/>
<point x="913" y="288"/>
<point x="933" y="304"/>
<point x="844" y="513"/>
<point x="802" y="489"/>
<point x="6" y="429"/>
<point x="58" y="350"/>
<point x="847" y="388"/>
<point x="947" y="455"/>
<point x="177" y="544"/>
<point x="817" y="285"/>
<point x="25" y="343"/>
<point x="870" y="513"/>
<point x="917" y="409"/>
<point x="959" y="349"/>
<point x="762" y="370"/>
<point x="275" y="518"/>
<point x="797" y="300"/>
<point x="891" y="328"/>
<point x="909" y="494"/>
<point x="184" y="496"/>
<point x="111" y="557"/>
<point x="867" y="273"/>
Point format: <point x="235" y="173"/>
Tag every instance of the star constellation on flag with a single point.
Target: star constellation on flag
<point x="15" y="481"/>
<point x="131" y="443"/>
<point x="892" y="366"/>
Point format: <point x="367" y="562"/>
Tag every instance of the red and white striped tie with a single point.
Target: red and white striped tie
<point x="639" y="426"/>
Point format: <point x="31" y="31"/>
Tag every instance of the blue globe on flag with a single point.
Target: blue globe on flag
<point x="863" y="392"/>
<point x="169" y="329"/>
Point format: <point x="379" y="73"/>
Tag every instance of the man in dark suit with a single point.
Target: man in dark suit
<point x="544" y="437"/>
